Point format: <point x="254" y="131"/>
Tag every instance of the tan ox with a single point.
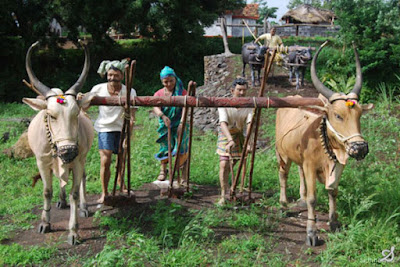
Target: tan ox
<point x="320" y="143"/>
<point x="60" y="137"/>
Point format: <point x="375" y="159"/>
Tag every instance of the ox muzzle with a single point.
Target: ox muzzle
<point x="67" y="153"/>
<point x="357" y="149"/>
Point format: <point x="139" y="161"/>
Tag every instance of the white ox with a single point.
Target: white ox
<point x="60" y="136"/>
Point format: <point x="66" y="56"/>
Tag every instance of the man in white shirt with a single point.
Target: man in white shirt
<point x="233" y="122"/>
<point x="271" y="40"/>
<point x="110" y="120"/>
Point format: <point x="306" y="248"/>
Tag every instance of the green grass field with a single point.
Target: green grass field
<point x="368" y="205"/>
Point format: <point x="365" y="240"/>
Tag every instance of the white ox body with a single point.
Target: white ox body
<point x="60" y="136"/>
<point x="71" y="127"/>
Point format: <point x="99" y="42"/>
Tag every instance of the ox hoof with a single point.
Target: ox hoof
<point x="312" y="241"/>
<point x="61" y="204"/>
<point x="73" y="239"/>
<point x="44" y="228"/>
<point x="83" y="213"/>
<point x="335" y="226"/>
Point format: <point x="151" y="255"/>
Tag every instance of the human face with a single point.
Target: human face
<point x="114" y="77"/>
<point x="169" y="83"/>
<point x="239" y="91"/>
<point x="273" y="31"/>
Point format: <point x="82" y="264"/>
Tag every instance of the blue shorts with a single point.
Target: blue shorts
<point x="109" y="141"/>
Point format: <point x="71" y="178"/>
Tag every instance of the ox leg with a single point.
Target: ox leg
<point x="73" y="237"/>
<point x="45" y="173"/>
<point x="297" y="72"/>
<point x="303" y="191"/>
<point x="258" y="76"/>
<point x="244" y="70"/>
<point x="83" y="209"/>
<point x="334" y="224"/>
<point x="290" y="74"/>
<point x="303" y="70"/>
<point x="312" y="238"/>
<point x="284" y="168"/>
<point x="252" y="75"/>
<point x="62" y="202"/>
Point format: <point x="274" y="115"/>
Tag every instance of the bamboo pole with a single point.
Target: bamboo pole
<point x="192" y="101"/>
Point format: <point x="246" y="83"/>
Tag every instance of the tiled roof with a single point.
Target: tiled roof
<point x="249" y="11"/>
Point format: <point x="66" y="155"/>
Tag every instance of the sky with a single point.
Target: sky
<point x="281" y="4"/>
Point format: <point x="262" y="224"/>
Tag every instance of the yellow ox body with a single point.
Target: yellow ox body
<point x="60" y="137"/>
<point x="320" y="140"/>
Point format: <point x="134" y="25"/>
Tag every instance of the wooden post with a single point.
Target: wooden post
<point x="192" y="92"/>
<point x="265" y="25"/>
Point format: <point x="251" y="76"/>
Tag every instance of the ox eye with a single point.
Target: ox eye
<point x="337" y="116"/>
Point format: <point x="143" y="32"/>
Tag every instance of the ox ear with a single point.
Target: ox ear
<point x="35" y="103"/>
<point x="366" y="108"/>
<point x="84" y="101"/>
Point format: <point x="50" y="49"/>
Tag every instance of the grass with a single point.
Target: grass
<point x="168" y="234"/>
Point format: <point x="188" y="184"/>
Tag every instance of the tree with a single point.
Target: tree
<point x="375" y="27"/>
<point x="295" y="3"/>
<point x="265" y="11"/>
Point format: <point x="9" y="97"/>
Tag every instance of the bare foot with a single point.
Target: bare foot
<point x="221" y="201"/>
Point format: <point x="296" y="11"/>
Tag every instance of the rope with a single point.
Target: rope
<point x="255" y="103"/>
<point x="185" y="102"/>
<point x="341" y="137"/>
<point x="268" y="102"/>
<point x="197" y="102"/>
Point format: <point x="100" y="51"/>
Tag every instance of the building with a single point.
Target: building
<point x="249" y="14"/>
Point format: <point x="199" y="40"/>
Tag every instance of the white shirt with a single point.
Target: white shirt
<point x="111" y="118"/>
<point x="236" y="118"/>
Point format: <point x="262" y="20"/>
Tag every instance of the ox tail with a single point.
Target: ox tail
<point x="36" y="178"/>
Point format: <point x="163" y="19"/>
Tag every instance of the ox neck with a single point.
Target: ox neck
<point x="325" y="140"/>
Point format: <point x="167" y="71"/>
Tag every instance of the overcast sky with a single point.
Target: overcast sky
<point x="280" y="4"/>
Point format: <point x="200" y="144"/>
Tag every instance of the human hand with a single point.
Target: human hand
<point x="166" y="120"/>
<point x="231" y="144"/>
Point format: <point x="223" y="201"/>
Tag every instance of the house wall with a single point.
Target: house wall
<point x="307" y="31"/>
<point x="238" y="31"/>
<point x="215" y="30"/>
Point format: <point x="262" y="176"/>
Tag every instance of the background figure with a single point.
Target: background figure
<point x="170" y="117"/>
<point x="230" y="134"/>
<point x="111" y="118"/>
<point x="271" y="40"/>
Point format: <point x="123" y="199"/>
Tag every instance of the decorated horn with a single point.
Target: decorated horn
<point x="43" y="89"/>
<point x="82" y="78"/>
<point x="325" y="91"/>
<point x="357" y="86"/>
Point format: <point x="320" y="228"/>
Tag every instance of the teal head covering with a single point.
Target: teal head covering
<point x="106" y="65"/>
<point x="166" y="72"/>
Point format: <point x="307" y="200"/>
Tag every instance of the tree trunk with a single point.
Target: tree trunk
<point x="227" y="52"/>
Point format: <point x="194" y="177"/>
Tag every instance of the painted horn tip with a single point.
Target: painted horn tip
<point x="325" y="43"/>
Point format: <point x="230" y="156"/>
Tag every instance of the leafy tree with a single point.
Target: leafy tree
<point x="265" y="11"/>
<point x="375" y="27"/>
<point x="295" y="3"/>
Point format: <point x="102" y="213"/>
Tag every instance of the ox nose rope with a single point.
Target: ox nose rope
<point x="339" y="136"/>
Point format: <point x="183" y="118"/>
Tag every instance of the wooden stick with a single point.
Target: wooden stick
<point x="128" y="134"/>
<point x="170" y="158"/>
<point x="253" y="151"/>
<point x="180" y="137"/>
<point x="192" y="92"/>
<point x="31" y="87"/>
<point x="245" y="23"/>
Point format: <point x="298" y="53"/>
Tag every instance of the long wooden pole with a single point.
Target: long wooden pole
<point x="128" y="136"/>
<point x="180" y="137"/>
<point x="253" y="151"/>
<point x="244" y="150"/>
<point x="201" y="101"/>
<point x="192" y="92"/>
<point x="245" y="23"/>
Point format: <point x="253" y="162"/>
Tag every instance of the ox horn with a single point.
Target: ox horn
<point x="74" y="89"/>
<point x="325" y="91"/>
<point x="357" y="86"/>
<point x="43" y="89"/>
